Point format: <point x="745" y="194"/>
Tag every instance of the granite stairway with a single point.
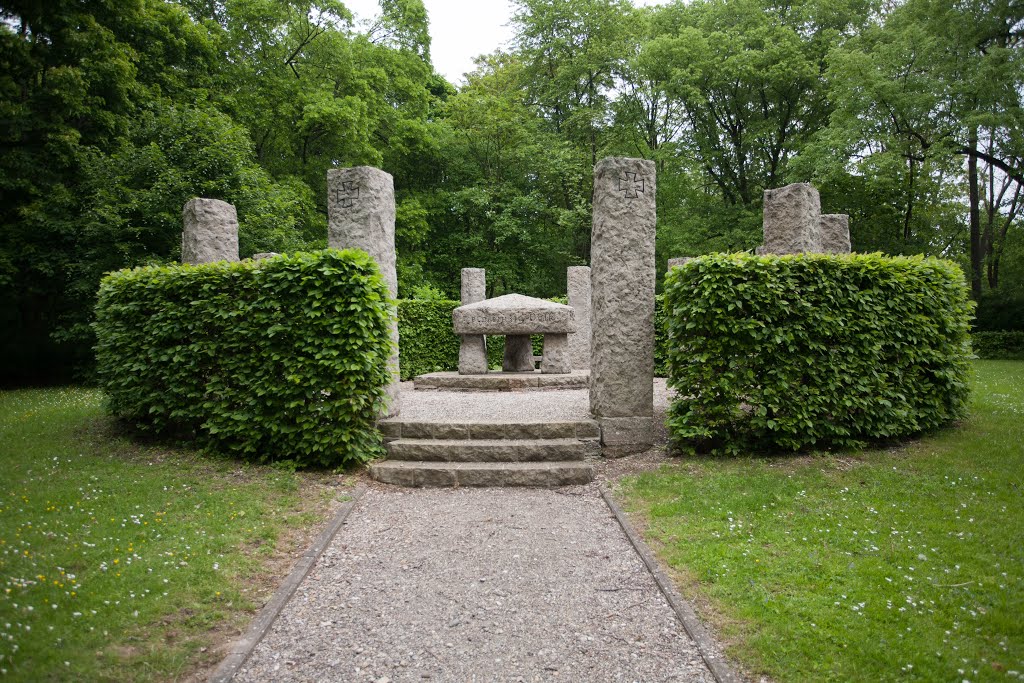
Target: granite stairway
<point x="487" y="453"/>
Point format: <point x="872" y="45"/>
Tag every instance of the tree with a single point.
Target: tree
<point x="314" y="94"/>
<point x="73" y="74"/>
<point x="570" y="51"/>
<point x="116" y="114"/>
<point x="923" y="86"/>
<point x="508" y="200"/>
<point x="747" y="80"/>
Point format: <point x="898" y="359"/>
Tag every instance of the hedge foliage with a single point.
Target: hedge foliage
<point x="280" y="359"/>
<point x="998" y="345"/>
<point x="660" y="337"/>
<point x="426" y="342"/>
<point x="793" y="351"/>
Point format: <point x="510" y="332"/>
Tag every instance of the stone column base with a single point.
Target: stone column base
<point x="625" y="435"/>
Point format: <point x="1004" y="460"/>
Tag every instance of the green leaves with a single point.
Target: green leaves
<point x="224" y="351"/>
<point x="794" y="351"/>
<point x="426" y="340"/>
<point x="999" y="345"/>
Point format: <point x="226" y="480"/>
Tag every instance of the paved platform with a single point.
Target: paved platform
<point x="569" y="405"/>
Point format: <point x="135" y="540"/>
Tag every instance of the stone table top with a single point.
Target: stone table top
<point x="514" y="314"/>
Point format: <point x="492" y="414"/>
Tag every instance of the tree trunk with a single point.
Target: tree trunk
<point x="988" y="234"/>
<point x="975" y="213"/>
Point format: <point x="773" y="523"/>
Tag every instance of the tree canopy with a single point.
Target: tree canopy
<point x="907" y="116"/>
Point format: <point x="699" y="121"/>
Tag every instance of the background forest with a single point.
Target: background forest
<point x="113" y="113"/>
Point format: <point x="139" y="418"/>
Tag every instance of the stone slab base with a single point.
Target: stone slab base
<point x="500" y="381"/>
<point x="406" y="473"/>
<point x="625" y="435"/>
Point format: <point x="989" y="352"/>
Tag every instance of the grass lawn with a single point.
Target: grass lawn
<point x="128" y="562"/>
<point x="891" y="564"/>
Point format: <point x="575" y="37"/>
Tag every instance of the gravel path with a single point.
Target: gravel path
<point x="508" y="406"/>
<point x="478" y="585"/>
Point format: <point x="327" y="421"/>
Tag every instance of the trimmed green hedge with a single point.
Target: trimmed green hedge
<point x="280" y="359"/>
<point x="794" y="351"/>
<point x="426" y="342"/>
<point x="998" y="345"/>
<point x="660" y="337"/>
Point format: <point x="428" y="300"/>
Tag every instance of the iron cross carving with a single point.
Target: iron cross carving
<point x="346" y="195"/>
<point x="632" y="185"/>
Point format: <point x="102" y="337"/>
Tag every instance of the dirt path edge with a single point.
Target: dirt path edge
<point x="243" y="647"/>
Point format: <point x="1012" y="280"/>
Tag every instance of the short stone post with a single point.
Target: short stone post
<point x="673" y="262"/>
<point x="361" y="215"/>
<point x="556" y="359"/>
<point x="622" y="315"/>
<point x="473" y="348"/>
<point x="791" y="220"/>
<point x="210" y="231"/>
<point x="578" y="285"/>
<point x="834" y="233"/>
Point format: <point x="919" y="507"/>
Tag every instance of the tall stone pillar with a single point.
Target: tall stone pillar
<point x="622" y="315"/>
<point x="210" y="231"/>
<point x="361" y="215"/>
<point x="578" y="285"/>
<point x="473" y="349"/>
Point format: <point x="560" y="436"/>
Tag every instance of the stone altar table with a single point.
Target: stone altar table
<point x="517" y="317"/>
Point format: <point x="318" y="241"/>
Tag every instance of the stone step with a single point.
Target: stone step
<point x="406" y="473"/>
<point x="490" y="450"/>
<point x="397" y="428"/>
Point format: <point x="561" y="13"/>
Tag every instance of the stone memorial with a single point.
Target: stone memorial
<point x="210" y="231"/>
<point x="790" y="221"/>
<point x="264" y="255"/>
<point x="473" y="347"/>
<point x="793" y="223"/>
<point x="834" y="233"/>
<point x="622" y="304"/>
<point x="517" y="317"/>
<point x="361" y="215"/>
<point x="673" y="262"/>
<point x="578" y="286"/>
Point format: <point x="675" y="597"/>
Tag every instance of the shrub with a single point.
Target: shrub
<point x="1000" y="311"/>
<point x="426" y="341"/>
<point x="999" y="345"/>
<point x="660" y="337"/>
<point x="281" y="359"/>
<point x="788" y="352"/>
